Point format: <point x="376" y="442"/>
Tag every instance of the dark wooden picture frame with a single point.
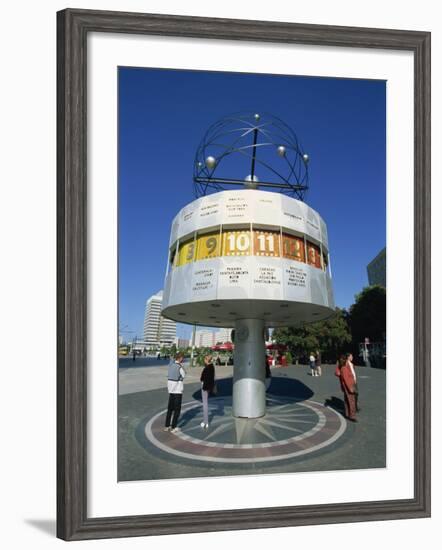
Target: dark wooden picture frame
<point x="73" y="27"/>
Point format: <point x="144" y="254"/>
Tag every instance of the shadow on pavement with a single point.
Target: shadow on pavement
<point x="188" y="416"/>
<point x="286" y="387"/>
<point x="141" y="362"/>
<point x="336" y="404"/>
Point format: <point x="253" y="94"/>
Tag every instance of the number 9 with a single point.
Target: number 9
<point x="211" y="245"/>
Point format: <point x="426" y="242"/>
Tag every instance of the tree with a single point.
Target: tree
<point x="368" y="315"/>
<point x="330" y="336"/>
<point x="201" y="353"/>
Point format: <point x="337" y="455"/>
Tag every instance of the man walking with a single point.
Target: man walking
<point x="175" y="387"/>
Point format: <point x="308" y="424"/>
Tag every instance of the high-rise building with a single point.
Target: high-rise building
<point x="157" y="329"/>
<point x="207" y="337"/>
<point x="204" y="338"/>
<point x="182" y="342"/>
<point x="376" y="269"/>
<point x="223" y="335"/>
<point x="166" y="331"/>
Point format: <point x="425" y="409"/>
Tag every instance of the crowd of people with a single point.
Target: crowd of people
<point x="345" y="371"/>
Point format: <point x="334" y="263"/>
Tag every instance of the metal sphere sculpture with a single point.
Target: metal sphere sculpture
<point x="259" y="146"/>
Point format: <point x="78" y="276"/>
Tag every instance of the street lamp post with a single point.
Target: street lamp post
<point x="192" y="353"/>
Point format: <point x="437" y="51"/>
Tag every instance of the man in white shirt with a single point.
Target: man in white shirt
<point x="175" y="387"/>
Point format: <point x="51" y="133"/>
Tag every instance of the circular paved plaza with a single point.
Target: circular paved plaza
<point x="289" y="429"/>
<point x="303" y="429"/>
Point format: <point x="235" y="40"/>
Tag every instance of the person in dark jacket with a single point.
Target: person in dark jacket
<point x="207" y="386"/>
<point x="268" y="373"/>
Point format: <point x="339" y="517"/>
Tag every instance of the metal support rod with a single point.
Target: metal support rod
<point x="255" y="139"/>
<point x="192" y="352"/>
<point x="249" y="391"/>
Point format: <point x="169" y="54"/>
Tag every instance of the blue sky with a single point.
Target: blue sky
<point x="163" y="115"/>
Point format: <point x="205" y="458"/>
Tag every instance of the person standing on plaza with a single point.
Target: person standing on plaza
<point x="312" y="362"/>
<point x="207" y="385"/>
<point x="268" y="372"/>
<point x="349" y="358"/>
<point x="348" y="385"/>
<point x="175" y="387"/>
<point x="318" y="369"/>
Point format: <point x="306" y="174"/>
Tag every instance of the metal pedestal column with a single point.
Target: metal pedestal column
<point x="249" y="391"/>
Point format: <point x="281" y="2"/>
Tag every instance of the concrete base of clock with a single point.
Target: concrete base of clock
<point x="249" y="390"/>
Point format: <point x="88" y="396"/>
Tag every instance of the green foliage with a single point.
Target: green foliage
<point x="200" y="353"/>
<point x="368" y="315"/>
<point x="289" y="358"/>
<point x="330" y="337"/>
<point x="342" y="332"/>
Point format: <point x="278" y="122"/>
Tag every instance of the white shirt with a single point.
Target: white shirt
<point x="176" y="386"/>
<point x="350" y="364"/>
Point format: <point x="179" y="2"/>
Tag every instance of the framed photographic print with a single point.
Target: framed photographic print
<point x="229" y="329"/>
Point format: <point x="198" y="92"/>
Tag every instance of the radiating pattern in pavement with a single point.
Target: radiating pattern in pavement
<point x="289" y="429"/>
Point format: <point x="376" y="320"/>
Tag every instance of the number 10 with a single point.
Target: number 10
<point x="239" y="242"/>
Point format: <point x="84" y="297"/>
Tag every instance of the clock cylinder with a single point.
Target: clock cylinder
<point x="248" y="259"/>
